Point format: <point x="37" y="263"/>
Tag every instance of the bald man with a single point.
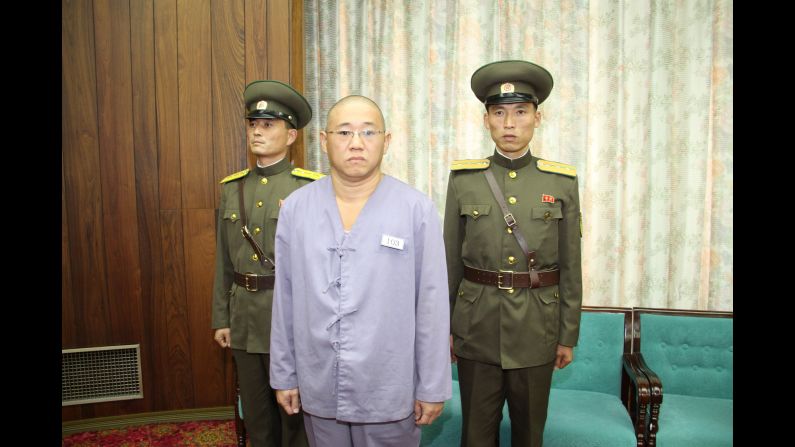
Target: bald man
<point x="359" y="336"/>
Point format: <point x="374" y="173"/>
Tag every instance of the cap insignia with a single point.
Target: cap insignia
<point x="506" y="87"/>
<point x="262" y="105"/>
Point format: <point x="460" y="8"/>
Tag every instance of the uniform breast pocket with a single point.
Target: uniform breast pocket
<point x="477" y="217"/>
<point x="544" y="232"/>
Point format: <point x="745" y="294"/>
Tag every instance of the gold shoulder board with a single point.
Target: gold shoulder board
<point x="303" y="173"/>
<point x="460" y="165"/>
<point x="235" y="176"/>
<point x="558" y="168"/>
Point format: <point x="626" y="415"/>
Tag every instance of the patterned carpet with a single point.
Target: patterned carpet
<point x="194" y="434"/>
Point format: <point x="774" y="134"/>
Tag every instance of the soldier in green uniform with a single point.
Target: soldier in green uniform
<point x="244" y="265"/>
<point x="513" y="260"/>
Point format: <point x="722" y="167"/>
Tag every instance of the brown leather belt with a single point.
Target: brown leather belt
<point x="510" y="279"/>
<point x="253" y="282"/>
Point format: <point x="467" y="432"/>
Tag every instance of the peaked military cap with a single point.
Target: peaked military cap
<point x="274" y="99"/>
<point x="511" y="81"/>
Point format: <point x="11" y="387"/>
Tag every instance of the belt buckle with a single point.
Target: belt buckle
<point x="252" y="277"/>
<point x="499" y="279"/>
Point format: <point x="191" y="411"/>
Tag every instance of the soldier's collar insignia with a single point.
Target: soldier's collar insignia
<point x="262" y="105"/>
<point x="506" y="87"/>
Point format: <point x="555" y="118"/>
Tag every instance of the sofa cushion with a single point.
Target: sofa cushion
<point x="597" y="356"/>
<point x="693" y="356"/>
<point x="690" y="420"/>
<point x="580" y="418"/>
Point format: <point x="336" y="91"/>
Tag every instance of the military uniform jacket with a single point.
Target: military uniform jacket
<point x="248" y="314"/>
<point x="514" y="328"/>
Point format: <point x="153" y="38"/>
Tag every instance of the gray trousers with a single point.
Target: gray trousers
<point x="324" y="432"/>
<point x="484" y="389"/>
<point x="266" y="423"/>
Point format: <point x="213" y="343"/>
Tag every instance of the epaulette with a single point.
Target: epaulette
<point x="460" y="165"/>
<point x="557" y="168"/>
<point x="304" y="173"/>
<point x="235" y="176"/>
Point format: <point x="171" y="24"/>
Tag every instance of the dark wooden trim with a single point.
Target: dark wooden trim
<point x="298" y="149"/>
<point x="156" y="417"/>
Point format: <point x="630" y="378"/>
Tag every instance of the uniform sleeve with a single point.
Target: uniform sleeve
<point x="570" y="268"/>
<point x="454" y="231"/>
<point x="282" y="348"/>
<point x="431" y="342"/>
<point x="224" y="271"/>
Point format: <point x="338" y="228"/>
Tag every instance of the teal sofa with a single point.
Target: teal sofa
<point x="601" y="399"/>
<point x="688" y="357"/>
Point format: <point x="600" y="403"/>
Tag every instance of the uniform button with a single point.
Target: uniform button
<point x="512" y="200"/>
<point x="475" y="213"/>
<point x="460" y="293"/>
<point x="234" y="216"/>
<point x="259" y="204"/>
<point x="547" y="214"/>
<point x="254" y="257"/>
<point x="510" y="290"/>
<point x="508" y="230"/>
<point x="512" y="174"/>
<point x="511" y="260"/>
<point x="557" y="295"/>
<point x="257" y="230"/>
<point x="263" y="180"/>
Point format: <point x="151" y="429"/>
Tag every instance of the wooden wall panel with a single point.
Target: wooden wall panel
<point x="81" y="167"/>
<point x="176" y="334"/>
<point x="146" y="186"/>
<point x="167" y="91"/>
<point x="228" y="81"/>
<point x="152" y="118"/>
<point x="117" y="173"/>
<point x="206" y="356"/>
<point x="256" y="40"/>
<point x="278" y="29"/>
<point x="195" y="103"/>
<point x="297" y="150"/>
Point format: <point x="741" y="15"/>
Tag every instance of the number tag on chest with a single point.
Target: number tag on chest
<point x="392" y="241"/>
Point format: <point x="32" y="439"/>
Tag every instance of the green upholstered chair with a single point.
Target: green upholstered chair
<point x="689" y="360"/>
<point x="600" y="399"/>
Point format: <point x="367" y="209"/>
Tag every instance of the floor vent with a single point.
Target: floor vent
<point x="101" y="374"/>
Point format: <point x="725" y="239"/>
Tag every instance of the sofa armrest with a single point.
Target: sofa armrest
<point x="656" y="398"/>
<point x="635" y="395"/>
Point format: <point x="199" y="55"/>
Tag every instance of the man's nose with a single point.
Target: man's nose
<point x="357" y="141"/>
<point x="509" y="121"/>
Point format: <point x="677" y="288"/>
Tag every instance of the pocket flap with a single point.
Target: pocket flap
<point x="475" y="211"/>
<point x="547" y="213"/>
<point x="232" y="215"/>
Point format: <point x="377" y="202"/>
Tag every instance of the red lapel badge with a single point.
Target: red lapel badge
<point x="546" y="198"/>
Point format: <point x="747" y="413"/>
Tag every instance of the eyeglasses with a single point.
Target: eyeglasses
<point x="347" y="135"/>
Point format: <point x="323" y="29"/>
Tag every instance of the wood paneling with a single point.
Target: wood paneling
<point x="278" y="29"/>
<point x="175" y="332"/>
<point x="195" y="103"/>
<point x="228" y="84"/>
<point x="167" y="91"/>
<point x="146" y="186"/>
<point x="297" y="151"/>
<point x="81" y="174"/>
<point x="152" y="118"/>
<point x="256" y="40"/>
<point x="206" y="356"/>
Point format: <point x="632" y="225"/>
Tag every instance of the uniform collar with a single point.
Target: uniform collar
<point x="508" y="163"/>
<point x="273" y="169"/>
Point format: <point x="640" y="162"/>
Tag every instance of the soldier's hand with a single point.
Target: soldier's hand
<point x="223" y="338"/>
<point x="427" y="412"/>
<point x="564" y="356"/>
<point x="290" y="400"/>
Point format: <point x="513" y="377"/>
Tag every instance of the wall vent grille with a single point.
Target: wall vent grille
<point x="101" y="374"/>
